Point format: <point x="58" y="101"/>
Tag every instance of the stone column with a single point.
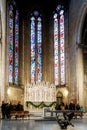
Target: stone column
<point x="79" y="75"/>
<point x="2" y="49"/>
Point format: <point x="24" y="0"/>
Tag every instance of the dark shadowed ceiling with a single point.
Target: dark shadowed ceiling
<point x="46" y="4"/>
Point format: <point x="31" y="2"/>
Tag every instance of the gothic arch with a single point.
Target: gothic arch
<point x="80" y="23"/>
<point x="79" y="56"/>
<point x="59" y="97"/>
<point x="59" y="94"/>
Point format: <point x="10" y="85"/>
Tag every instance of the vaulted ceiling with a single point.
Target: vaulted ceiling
<point x="46" y="4"/>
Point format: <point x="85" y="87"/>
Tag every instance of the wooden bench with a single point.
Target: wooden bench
<point x="76" y="112"/>
<point x="19" y="114"/>
<point x="80" y="114"/>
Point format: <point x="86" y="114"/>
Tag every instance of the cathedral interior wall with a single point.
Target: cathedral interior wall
<point x="2" y="48"/>
<point x="74" y="54"/>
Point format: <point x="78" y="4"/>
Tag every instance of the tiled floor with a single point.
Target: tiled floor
<point x="31" y="124"/>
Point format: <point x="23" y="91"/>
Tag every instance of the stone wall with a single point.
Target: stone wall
<point x="15" y="94"/>
<point x="76" y="19"/>
<point x="2" y="49"/>
<point x="47" y="46"/>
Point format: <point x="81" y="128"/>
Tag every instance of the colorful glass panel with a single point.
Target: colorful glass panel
<point x="13" y="44"/>
<point x="36" y="48"/>
<point x="59" y="47"/>
<point x="16" y="65"/>
<point x="62" y="50"/>
<point x="56" y="52"/>
<point x="39" y="50"/>
<point x="33" y="44"/>
<point x="10" y="39"/>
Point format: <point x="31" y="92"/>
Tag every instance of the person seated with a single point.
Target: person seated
<point x="72" y="105"/>
<point x="77" y="106"/>
<point x="67" y="117"/>
<point x="19" y="107"/>
<point x="8" y="109"/>
<point x="57" y="107"/>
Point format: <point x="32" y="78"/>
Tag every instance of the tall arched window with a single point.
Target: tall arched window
<point x="13" y="43"/>
<point x="59" y="46"/>
<point x="36" y="47"/>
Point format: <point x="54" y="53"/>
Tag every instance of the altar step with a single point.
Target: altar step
<point x="39" y="116"/>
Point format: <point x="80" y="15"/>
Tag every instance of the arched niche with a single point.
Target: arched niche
<point x="82" y="39"/>
<point x="84" y="47"/>
<point x="59" y="97"/>
<point x="80" y="57"/>
<point x="80" y="22"/>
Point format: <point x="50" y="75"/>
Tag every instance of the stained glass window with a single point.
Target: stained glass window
<point x="16" y="64"/>
<point x="59" y="47"/>
<point x="13" y="44"/>
<point x="36" y="47"/>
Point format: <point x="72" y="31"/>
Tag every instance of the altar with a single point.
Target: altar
<point x="40" y="94"/>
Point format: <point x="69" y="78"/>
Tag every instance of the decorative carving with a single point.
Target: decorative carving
<point x="40" y="91"/>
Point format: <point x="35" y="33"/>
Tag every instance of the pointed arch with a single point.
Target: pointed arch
<point x="59" y="94"/>
<point x="13" y="43"/>
<point x="36" y="46"/>
<point x="80" y="23"/>
<point x="59" y="97"/>
<point x="79" y="54"/>
<point x="59" y="46"/>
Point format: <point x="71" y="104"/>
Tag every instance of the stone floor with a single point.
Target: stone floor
<point x="34" y="124"/>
